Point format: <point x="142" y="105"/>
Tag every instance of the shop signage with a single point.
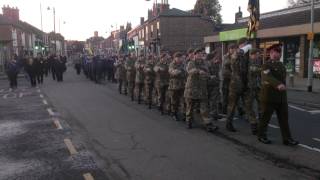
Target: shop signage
<point x="316" y="66"/>
<point x="233" y="35"/>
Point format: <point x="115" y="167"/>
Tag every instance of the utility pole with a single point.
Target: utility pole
<point x="54" y="30"/>
<point x="41" y="17"/>
<point x="310" y="60"/>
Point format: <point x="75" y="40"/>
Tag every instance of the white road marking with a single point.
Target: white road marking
<point x="310" y="148"/>
<point x="316" y="139"/>
<point x="51" y="113"/>
<point x="41" y="96"/>
<point x="88" y="176"/>
<point x="45" y="102"/>
<point x="57" y="123"/>
<point x="274" y="126"/>
<point x="297" y="108"/>
<point x="39" y="91"/>
<point x="70" y="146"/>
<point x="314" y="112"/>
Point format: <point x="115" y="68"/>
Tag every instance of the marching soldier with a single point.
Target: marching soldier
<point x="238" y="82"/>
<point x="139" y="66"/>
<point x="129" y="66"/>
<point x="162" y="80"/>
<point x="177" y="78"/>
<point x="274" y="97"/>
<point x="226" y="74"/>
<point x="254" y="85"/>
<point x="196" y="91"/>
<point x="120" y="74"/>
<point x="214" y="62"/>
<point x="149" y="80"/>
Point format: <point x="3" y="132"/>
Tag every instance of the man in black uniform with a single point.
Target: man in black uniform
<point x="274" y="97"/>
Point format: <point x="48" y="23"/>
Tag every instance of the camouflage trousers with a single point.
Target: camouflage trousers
<point x="234" y="100"/>
<point x="130" y="88"/>
<point x="214" y="98"/>
<point x="225" y="95"/>
<point x="122" y="85"/>
<point x="190" y="107"/>
<point x="161" y="95"/>
<point x="148" y="93"/>
<point x="176" y="98"/>
<point x="138" y="91"/>
<point x="253" y="95"/>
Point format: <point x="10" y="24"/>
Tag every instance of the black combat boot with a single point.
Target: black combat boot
<point x="254" y="129"/>
<point x="290" y="142"/>
<point x="210" y="127"/>
<point x="230" y="127"/>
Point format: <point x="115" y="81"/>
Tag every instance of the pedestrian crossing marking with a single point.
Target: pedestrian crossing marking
<point x="51" y="113"/>
<point x="70" y="146"/>
<point x="310" y="148"/>
<point x="88" y="176"/>
<point x="314" y="112"/>
<point x="297" y="108"/>
<point x="57" y="123"/>
<point x="316" y="139"/>
<point x="273" y="126"/>
<point x="45" y="102"/>
<point x="41" y="96"/>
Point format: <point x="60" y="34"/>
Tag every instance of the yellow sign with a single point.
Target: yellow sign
<point x="310" y="36"/>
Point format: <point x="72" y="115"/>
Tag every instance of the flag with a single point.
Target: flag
<point x="253" y="23"/>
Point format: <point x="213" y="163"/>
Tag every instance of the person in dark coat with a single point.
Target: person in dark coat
<point x="39" y="67"/>
<point x="31" y="70"/>
<point x="12" y="70"/>
<point x="51" y="62"/>
<point x="60" y="67"/>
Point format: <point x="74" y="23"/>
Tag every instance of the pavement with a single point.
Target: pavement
<point x="36" y="142"/>
<point x="124" y="140"/>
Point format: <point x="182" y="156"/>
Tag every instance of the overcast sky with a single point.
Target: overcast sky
<point x="82" y="17"/>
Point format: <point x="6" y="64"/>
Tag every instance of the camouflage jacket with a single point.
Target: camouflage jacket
<point x="239" y="72"/>
<point x="226" y="70"/>
<point x="254" y="75"/>
<point x="149" y="74"/>
<point x="214" y="69"/>
<point x="162" y="74"/>
<point x="120" y="70"/>
<point x="177" y="75"/>
<point x="131" y="71"/>
<point x="273" y="74"/>
<point x="196" y="86"/>
<point x="139" y="66"/>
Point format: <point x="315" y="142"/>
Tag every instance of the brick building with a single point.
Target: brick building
<point x="171" y="30"/>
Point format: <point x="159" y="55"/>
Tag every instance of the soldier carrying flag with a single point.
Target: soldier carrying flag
<point x="253" y="23"/>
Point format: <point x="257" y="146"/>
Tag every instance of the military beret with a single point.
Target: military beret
<point x="198" y="50"/>
<point x="275" y="47"/>
<point x="177" y="54"/>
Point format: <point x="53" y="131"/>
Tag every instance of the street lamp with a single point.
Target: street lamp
<point x="310" y="60"/>
<point x="54" y="28"/>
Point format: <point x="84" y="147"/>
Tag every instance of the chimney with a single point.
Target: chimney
<point x="11" y="13"/>
<point x="96" y="34"/>
<point x="121" y="28"/>
<point x="238" y="15"/>
<point x="141" y="20"/>
<point x="164" y="6"/>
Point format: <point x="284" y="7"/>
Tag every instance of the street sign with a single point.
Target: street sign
<point x="310" y="36"/>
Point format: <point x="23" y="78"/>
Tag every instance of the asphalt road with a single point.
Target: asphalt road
<point x="132" y="142"/>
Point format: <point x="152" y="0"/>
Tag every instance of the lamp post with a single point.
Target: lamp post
<point x="54" y="28"/>
<point x="310" y="59"/>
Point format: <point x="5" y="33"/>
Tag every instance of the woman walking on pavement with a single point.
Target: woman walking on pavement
<point x="12" y="69"/>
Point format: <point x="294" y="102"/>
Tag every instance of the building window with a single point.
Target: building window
<point x="147" y="33"/>
<point x="158" y="25"/>
<point x="151" y="28"/>
<point x="142" y="33"/>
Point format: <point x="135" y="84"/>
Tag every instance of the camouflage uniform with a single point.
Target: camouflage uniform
<point x="213" y="87"/>
<point x="139" y="66"/>
<point x="162" y="82"/>
<point x="176" y="85"/>
<point x="254" y="85"/>
<point x="120" y="74"/>
<point x="149" y="81"/>
<point x="196" y="90"/>
<point x="129" y="66"/>
<point x="226" y="74"/>
<point x="238" y="83"/>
